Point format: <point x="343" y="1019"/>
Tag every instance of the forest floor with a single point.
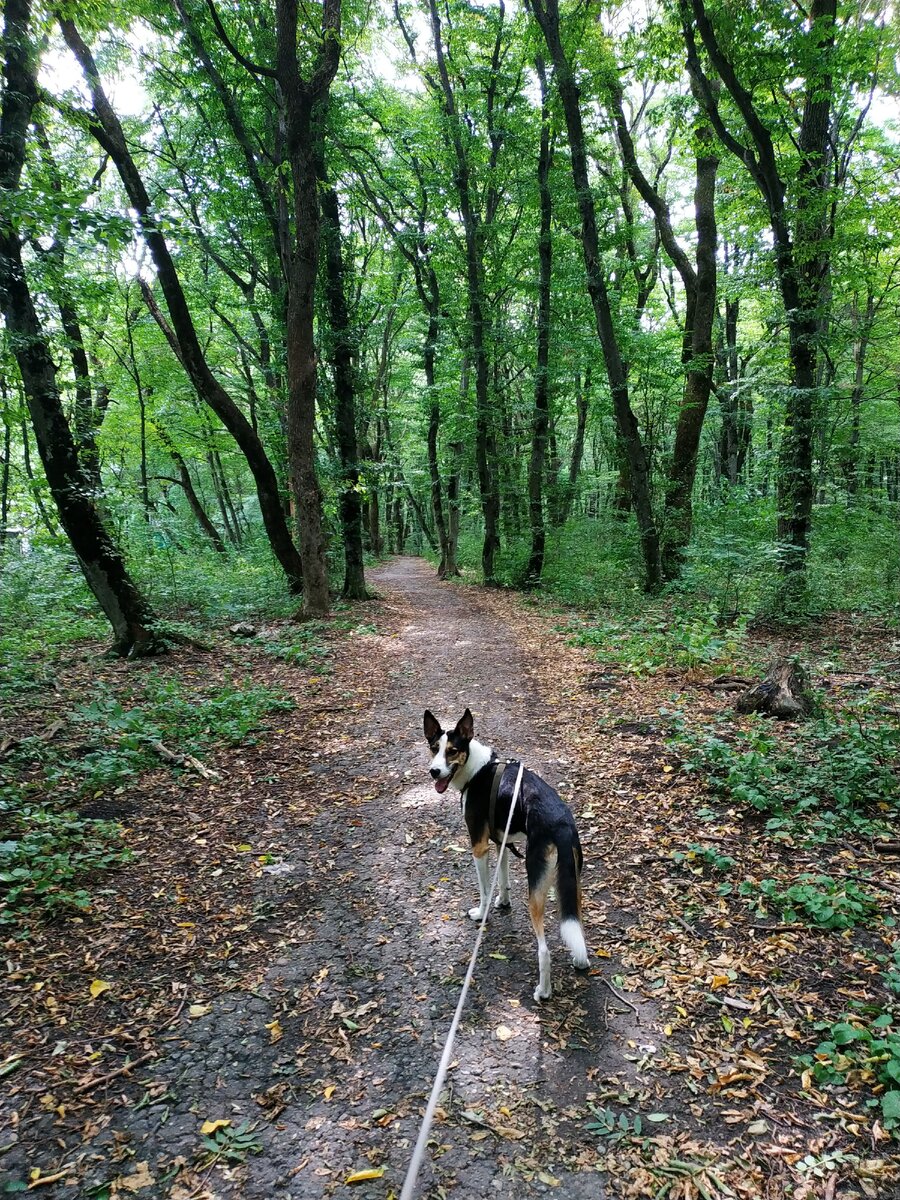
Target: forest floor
<point x="281" y="959"/>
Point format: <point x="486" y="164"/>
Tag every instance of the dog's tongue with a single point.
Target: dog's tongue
<point x="441" y="785"/>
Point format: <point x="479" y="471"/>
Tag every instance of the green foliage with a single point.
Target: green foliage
<point x="121" y="736"/>
<point x="857" y="1051"/>
<point x="44" y="607"/>
<point x="672" y="637"/>
<point x="44" y="855"/>
<point x="835" y="773"/>
<point x="696" y="855"/>
<point x="299" y="645"/>
<point x="231" y="1144"/>
<point x="817" y="899"/>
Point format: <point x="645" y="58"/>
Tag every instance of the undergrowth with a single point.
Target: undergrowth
<point x="47" y="849"/>
<point x="832" y="775"/>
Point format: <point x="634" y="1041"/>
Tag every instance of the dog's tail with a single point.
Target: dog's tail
<point x="568" y="888"/>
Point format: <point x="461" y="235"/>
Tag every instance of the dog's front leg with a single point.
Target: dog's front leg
<point x="483" y="869"/>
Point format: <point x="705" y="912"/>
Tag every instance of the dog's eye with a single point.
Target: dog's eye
<point x="451" y="752"/>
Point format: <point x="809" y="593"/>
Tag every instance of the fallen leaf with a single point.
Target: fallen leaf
<point x="365" y="1176"/>
<point x="98" y="987"/>
<point x="199" y="1010"/>
<point x="276" y="1033"/>
<point x="138" y="1180"/>
<point x="503" y="1033"/>
<point x="211" y="1126"/>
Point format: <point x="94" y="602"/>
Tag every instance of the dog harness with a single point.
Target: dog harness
<point x="499" y="769"/>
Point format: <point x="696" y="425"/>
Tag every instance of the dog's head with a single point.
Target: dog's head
<point x="450" y="748"/>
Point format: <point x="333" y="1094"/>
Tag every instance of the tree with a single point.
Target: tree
<point x="546" y="13"/>
<point x="71" y="484"/>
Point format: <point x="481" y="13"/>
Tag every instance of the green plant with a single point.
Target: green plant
<point x="857" y="1052"/>
<point x="836" y="773"/>
<point x="818" y="899"/>
<point x="299" y="645"/>
<point x="231" y="1144"/>
<point x="703" y="855"/>
<point x="44" y="855"/>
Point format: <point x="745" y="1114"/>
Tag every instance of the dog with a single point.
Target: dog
<point x="552" y="848"/>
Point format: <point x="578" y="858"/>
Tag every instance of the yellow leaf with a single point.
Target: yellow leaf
<point x="504" y="1033"/>
<point x="276" y="1033"/>
<point x="719" y="981"/>
<point x="199" y="1010"/>
<point x="98" y="987"/>
<point x="365" y="1176"/>
<point x="245" y="846"/>
<point x="212" y="1126"/>
<point x="329" y="1091"/>
<point x="603" y="954"/>
<point x="682" y="1012"/>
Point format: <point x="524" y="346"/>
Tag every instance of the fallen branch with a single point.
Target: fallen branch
<point x="886" y="847"/>
<point x="54" y="1178"/>
<point x="90" y="1084"/>
<point x="184" y="760"/>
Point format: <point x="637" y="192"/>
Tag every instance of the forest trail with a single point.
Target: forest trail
<point x="292" y="954"/>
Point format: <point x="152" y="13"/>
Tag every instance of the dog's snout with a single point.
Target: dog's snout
<point x="435" y="772"/>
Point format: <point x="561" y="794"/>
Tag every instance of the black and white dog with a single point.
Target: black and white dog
<point x="552" y="853"/>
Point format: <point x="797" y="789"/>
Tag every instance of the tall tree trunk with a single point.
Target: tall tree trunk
<point x="341" y="353"/>
<point x="700" y="362"/>
<point x="301" y="98"/>
<point x="5" y="465"/>
<point x="570" y="484"/>
<point x="547" y="14"/>
<point x="473" y="230"/>
<point x="541" y="423"/>
<point x="99" y="557"/>
<point x="802" y="249"/>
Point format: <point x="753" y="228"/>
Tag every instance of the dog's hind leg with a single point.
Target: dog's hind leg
<point x="540" y="877"/>
<point x="483" y="869"/>
<point x="502" y="900"/>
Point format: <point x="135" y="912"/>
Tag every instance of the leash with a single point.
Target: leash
<point x="418" y="1153"/>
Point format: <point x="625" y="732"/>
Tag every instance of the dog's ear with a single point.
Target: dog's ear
<point x="432" y="726"/>
<point x="465" y="726"/>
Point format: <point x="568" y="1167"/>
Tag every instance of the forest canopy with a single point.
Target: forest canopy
<point x="593" y="296"/>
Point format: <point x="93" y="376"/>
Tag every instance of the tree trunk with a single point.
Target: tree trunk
<point x="699" y="323"/>
<point x="547" y="15"/>
<point x="800" y="235"/>
<point x="341" y="353"/>
<point x="485" y="449"/>
<point x="301" y="99"/>
<point x="541" y="423"/>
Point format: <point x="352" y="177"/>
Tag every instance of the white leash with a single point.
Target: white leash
<point x="418" y="1154"/>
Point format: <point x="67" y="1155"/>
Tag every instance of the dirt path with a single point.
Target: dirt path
<point x="332" y="1053"/>
<point x="296" y="939"/>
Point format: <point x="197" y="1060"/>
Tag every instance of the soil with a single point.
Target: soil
<point x="288" y="948"/>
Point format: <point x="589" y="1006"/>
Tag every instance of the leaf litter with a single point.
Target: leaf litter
<point x="351" y="966"/>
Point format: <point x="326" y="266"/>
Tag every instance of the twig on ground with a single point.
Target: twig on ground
<point x="90" y="1084"/>
<point x="622" y="1000"/>
<point x="184" y="760"/>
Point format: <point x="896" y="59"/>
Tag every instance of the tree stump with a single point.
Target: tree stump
<point x="783" y="693"/>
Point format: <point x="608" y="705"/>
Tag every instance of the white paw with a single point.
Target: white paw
<point x="539" y="994"/>
<point x="476" y="913"/>
<point x="580" y="962"/>
<point x="502" y="902"/>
